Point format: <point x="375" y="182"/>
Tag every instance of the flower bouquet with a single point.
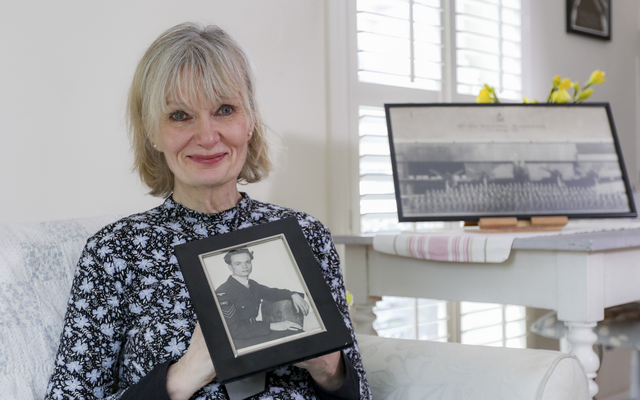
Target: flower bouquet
<point x="559" y="92"/>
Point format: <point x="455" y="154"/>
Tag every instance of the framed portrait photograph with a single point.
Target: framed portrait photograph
<point x="261" y="299"/>
<point x="463" y="162"/>
<point x="275" y="279"/>
<point x="590" y="18"/>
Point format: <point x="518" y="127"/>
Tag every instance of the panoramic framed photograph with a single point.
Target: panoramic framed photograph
<point x="589" y="17"/>
<point x="463" y="162"/>
<point x="261" y="299"/>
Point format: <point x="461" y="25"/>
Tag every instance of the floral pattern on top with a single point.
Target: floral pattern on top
<point x="130" y="310"/>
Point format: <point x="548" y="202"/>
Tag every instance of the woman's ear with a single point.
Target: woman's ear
<point x="153" y="141"/>
<point x="252" y="127"/>
<point x="156" y="147"/>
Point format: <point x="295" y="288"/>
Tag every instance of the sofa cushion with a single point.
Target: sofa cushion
<point x="37" y="263"/>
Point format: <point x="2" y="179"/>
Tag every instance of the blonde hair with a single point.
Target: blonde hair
<point x="189" y="63"/>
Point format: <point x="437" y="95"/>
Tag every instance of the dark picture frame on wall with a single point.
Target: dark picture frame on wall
<point x="590" y="18"/>
<point x="466" y="161"/>
<point x="240" y="332"/>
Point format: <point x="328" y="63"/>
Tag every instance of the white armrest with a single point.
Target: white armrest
<point x="412" y="369"/>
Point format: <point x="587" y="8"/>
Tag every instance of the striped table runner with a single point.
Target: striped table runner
<point x="473" y="246"/>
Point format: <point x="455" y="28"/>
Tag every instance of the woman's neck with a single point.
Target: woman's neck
<point x="207" y="200"/>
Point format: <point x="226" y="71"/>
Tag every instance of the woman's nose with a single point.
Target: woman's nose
<point x="208" y="134"/>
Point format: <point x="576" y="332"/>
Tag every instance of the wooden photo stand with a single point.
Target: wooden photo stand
<point x="512" y="224"/>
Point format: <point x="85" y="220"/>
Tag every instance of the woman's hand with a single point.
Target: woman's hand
<point x="328" y="370"/>
<point x="193" y="371"/>
<point x="300" y="304"/>
<point x="285" y="326"/>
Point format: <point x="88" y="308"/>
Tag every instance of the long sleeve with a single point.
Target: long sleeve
<point x="152" y="386"/>
<point x="271" y="294"/>
<point x="93" y="332"/>
<point x="126" y="316"/>
<point x="240" y="306"/>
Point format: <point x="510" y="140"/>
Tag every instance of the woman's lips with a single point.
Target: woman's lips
<point x="208" y="159"/>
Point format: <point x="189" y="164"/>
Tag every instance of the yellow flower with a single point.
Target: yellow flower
<point x="565" y="84"/>
<point x="596" y="78"/>
<point x="349" y="299"/>
<point x="558" y="92"/>
<point x="585" y="94"/>
<point x="484" y="96"/>
<point x="560" y="96"/>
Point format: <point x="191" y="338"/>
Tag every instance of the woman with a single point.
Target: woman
<point x="130" y="331"/>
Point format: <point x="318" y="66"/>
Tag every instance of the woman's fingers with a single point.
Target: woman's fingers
<point x="328" y="370"/>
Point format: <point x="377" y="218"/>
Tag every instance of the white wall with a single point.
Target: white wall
<point x="555" y="52"/>
<point x="65" y="67"/>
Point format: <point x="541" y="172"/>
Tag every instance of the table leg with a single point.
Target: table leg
<point x="356" y="277"/>
<point x="362" y="316"/>
<point x="582" y="338"/>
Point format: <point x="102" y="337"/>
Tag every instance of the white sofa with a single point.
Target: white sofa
<point x="37" y="262"/>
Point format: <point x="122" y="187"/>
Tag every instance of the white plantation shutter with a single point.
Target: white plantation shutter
<point x="488" y="46"/>
<point x="377" y="195"/>
<point x="400" y="43"/>
<point x="493" y="324"/>
<point x="377" y="198"/>
<point x="409" y="318"/>
<point x="446" y="50"/>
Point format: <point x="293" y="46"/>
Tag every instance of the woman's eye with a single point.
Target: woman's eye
<point x="225" y="110"/>
<point x="178" y="116"/>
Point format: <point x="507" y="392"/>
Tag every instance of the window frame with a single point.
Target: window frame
<point x="345" y="93"/>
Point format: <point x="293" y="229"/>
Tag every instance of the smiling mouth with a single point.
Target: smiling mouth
<point x="208" y="159"/>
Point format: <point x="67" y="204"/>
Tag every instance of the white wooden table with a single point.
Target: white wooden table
<point x="577" y="275"/>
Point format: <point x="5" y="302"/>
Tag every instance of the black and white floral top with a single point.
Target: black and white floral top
<point x="130" y="313"/>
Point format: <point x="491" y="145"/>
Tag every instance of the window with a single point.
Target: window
<point x="400" y="43"/>
<point x="487" y="46"/>
<point x="424" y="319"/>
<point x="402" y="51"/>
<point x="493" y="324"/>
<point x="377" y="194"/>
<point x="405" y="44"/>
<point x="409" y="318"/>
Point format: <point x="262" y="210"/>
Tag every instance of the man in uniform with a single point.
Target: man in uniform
<point x="240" y="299"/>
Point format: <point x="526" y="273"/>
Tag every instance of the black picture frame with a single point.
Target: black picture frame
<point x="589" y="18"/>
<point x="283" y="242"/>
<point x="466" y="161"/>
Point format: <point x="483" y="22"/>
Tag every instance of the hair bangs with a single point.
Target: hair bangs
<point x="204" y="78"/>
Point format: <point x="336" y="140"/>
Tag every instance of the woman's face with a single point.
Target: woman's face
<point x="205" y="147"/>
